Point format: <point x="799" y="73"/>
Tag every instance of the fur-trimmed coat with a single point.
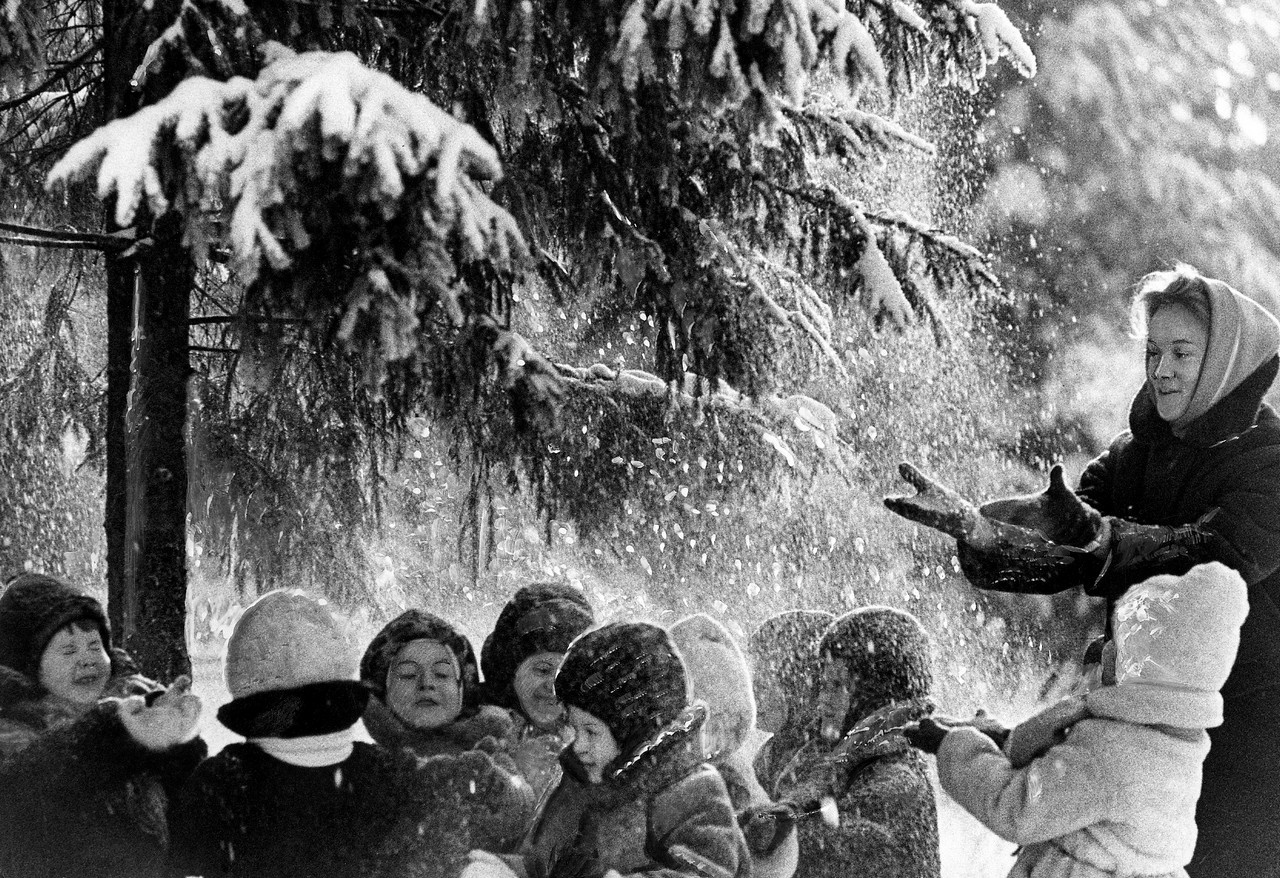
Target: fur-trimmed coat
<point x="381" y="812"/>
<point x="667" y="814"/>
<point x="880" y="785"/>
<point x="488" y="726"/>
<point x="78" y="796"/>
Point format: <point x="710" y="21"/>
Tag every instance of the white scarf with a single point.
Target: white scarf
<point x="314" y="751"/>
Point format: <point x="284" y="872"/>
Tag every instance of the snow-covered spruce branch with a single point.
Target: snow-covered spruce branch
<point x="779" y="421"/>
<point x="812" y="316"/>
<point x="306" y="111"/>
<point x="860" y="128"/>
<point x="998" y="36"/>
<point x="974" y="259"/>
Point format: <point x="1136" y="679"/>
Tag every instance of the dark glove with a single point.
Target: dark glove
<point x="926" y="735"/>
<point x="1128" y="552"/>
<point x="1006" y="545"/>
<point x="765" y="827"/>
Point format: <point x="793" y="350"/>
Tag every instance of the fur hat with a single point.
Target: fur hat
<point x="540" y="617"/>
<point x="887" y="650"/>
<point x="629" y="676"/>
<point x="718" y="673"/>
<point x="420" y="625"/>
<point x="35" y="607"/>
<point x="290" y="670"/>
<point x="1176" y="639"/>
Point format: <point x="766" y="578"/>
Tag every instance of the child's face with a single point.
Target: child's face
<point x="424" y="685"/>
<point x="535" y="688"/>
<point x="75" y="665"/>
<point x="835" y="693"/>
<point x="593" y="743"/>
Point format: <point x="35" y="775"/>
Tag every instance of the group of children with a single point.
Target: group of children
<point x="591" y="751"/>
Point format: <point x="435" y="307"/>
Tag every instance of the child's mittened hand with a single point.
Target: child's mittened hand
<point x="926" y="735"/>
<point x="767" y="826"/>
<point x="172" y="719"/>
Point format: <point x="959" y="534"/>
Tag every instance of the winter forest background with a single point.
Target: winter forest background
<point x="409" y="302"/>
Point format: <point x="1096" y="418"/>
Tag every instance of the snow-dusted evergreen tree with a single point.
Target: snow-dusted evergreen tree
<point x="680" y="172"/>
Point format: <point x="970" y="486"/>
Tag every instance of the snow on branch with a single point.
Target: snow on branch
<point x="785" y="424"/>
<point x="343" y="197"/>
<point x="998" y="35"/>
<point x="860" y="129"/>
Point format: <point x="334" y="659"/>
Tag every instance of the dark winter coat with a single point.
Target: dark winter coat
<point x="667" y="815"/>
<point x="381" y="812"/>
<point x="78" y="796"/>
<point x="888" y="815"/>
<point x="1228" y="459"/>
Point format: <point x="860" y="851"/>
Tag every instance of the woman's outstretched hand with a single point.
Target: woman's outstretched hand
<point x="935" y="505"/>
<point x="170" y="720"/>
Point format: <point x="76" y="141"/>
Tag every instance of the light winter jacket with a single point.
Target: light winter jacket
<point x="1113" y="799"/>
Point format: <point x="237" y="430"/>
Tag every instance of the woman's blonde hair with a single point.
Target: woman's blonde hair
<point x="1182" y="286"/>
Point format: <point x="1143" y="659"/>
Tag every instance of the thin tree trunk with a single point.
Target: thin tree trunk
<point x="157" y="483"/>
<point x="119" y="350"/>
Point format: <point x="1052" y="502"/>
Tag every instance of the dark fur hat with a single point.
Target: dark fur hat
<point x="629" y="676"/>
<point x="540" y="617"/>
<point x="420" y="625"/>
<point x="35" y="607"/>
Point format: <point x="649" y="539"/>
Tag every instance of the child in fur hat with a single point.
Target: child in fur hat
<point x="87" y="764"/>
<point x="425" y="689"/>
<point x="519" y="660"/>
<point x="784" y="678"/>
<point x="1114" y="793"/>
<point x="718" y="672"/>
<point x="875" y="677"/>
<point x="301" y="798"/>
<point x="636" y="796"/>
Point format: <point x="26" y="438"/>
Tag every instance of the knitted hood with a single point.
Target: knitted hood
<point x="1176" y="639"/>
<point x="420" y="625"/>
<point x="784" y="654"/>
<point x="540" y="617"/>
<point x="888" y="652"/>
<point x="719" y="676"/>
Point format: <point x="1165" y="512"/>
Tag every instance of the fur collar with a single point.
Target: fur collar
<point x="460" y="735"/>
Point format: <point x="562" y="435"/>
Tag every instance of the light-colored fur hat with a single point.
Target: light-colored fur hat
<point x="1176" y="639"/>
<point x="284" y="640"/>
<point x="720" y="678"/>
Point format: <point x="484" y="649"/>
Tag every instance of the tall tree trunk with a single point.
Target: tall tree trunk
<point x="154" y="610"/>
<point x="147" y="372"/>
<point x="120" y="46"/>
